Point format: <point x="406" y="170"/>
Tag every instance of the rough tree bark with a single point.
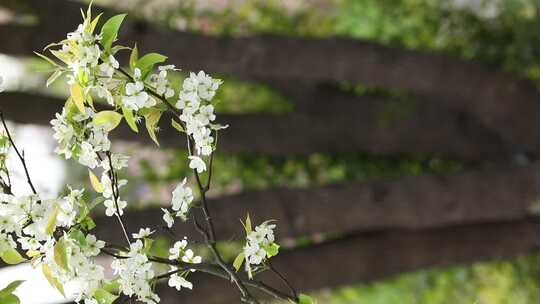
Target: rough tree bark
<point x="489" y="195"/>
<point x="498" y="100"/>
<point x="343" y="124"/>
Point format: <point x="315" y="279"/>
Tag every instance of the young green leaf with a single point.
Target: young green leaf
<point x="94" y="23"/>
<point x="88" y="223"/>
<point x="61" y="254"/>
<point x="62" y="56"/>
<point x="49" y="60"/>
<point x="10" y="299"/>
<point x="96" y="184"/>
<point x="151" y="120"/>
<point x="52" y="280"/>
<point x="146" y="63"/>
<point x="51" y="221"/>
<point x="54" y="77"/>
<point x="238" y="261"/>
<point x="133" y="57"/>
<point x="77" y="96"/>
<point x="109" y="31"/>
<point x="128" y="115"/>
<point x="78" y="236"/>
<point x="12" y="257"/>
<point x="272" y="250"/>
<point x="107" y="119"/>
<point x="10" y="288"/>
<point x="177" y="126"/>
<point x="248" y="224"/>
<point x="104" y="297"/>
<point x="305" y="299"/>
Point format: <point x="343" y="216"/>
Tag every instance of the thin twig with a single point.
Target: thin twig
<point x="283" y="279"/>
<point x="19" y="154"/>
<point x="114" y="185"/>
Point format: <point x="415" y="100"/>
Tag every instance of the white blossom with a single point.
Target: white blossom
<point x="143" y="233"/>
<point x="111" y="207"/>
<point x="197" y="163"/>
<point x="168" y="218"/>
<point x="182" y="196"/>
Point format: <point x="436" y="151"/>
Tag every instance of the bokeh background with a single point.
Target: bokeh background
<point x="395" y="141"/>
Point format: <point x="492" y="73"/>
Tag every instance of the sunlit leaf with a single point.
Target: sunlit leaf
<point x="77" y="96"/>
<point x="177" y="126"/>
<point x="52" y="280"/>
<point x="61" y="254"/>
<point x="109" y="31"/>
<point x="107" y="119"/>
<point x="51" y="221"/>
<point x="12" y="257"/>
<point x="146" y="63"/>
<point x="128" y="115"/>
<point x="96" y="184"/>
<point x="272" y="250"/>
<point x="238" y="261"/>
<point x="104" y="297"/>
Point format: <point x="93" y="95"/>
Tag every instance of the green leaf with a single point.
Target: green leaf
<point x="177" y="126"/>
<point x="61" y="254"/>
<point x="109" y="31"/>
<point x="247" y="225"/>
<point x="238" y="261"/>
<point x="151" y="120"/>
<point x="49" y="60"/>
<point x="107" y="119"/>
<point x="12" y="257"/>
<point x="272" y="250"/>
<point x="146" y="63"/>
<point x="147" y="245"/>
<point x="128" y="115"/>
<point x="9" y="299"/>
<point x="96" y="184"/>
<point x="77" y="96"/>
<point x="88" y="223"/>
<point x="133" y="57"/>
<point x="54" y="77"/>
<point x="94" y="23"/>
<point x="104" y="297"/>
<point x="305" y="299"/>
<point x="111" y="286"/>
<point x="10" y="288"/>
<point x="62" y="56"/>
<point x="117" y="48"/>
<point x="78" y="236"/>
<point x="51" y="222"/>
<point x="52" y="280"/>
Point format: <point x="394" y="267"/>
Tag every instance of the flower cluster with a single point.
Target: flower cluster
<point x="198" y="113"/>
<point x="69" y="257"/>
<point x="259" y="246"/>
<point x="182" y="197"/>
<point x="135" y="273"/>
<point x="78" y="135"/>
<point x="54" y="233"/>
<point x="74" y="266"/>
<point x="179" y="252"/>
